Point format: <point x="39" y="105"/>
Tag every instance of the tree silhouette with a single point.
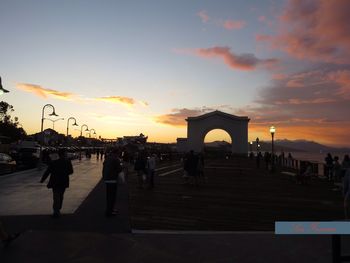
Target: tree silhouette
<point x="8" y="126"/>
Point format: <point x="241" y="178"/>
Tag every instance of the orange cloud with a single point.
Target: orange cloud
<point x="144" y="103"/>
<point x="306" y="101"/>
<point x="118" y="99"/>
<point x="45" y="92"/>
<point x="342" y="77"/>
<point x="231" y="24"/>
<point x="314" y="30"/>
<point x="234" y="61"/>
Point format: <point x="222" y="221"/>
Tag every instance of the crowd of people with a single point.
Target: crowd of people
<point x="272" y="159"/>
<point x="340" y="172"/>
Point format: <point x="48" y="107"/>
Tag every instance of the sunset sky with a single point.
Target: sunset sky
<point x="126" y="67"/>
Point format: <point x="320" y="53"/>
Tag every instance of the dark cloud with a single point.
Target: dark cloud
<point x="316" y="30"/>
<point x="235" y="61"/>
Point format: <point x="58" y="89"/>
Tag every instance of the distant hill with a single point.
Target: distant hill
<point x="286" y="146"/>
<point x="215" y="144"/>
<point x="309" y="146"/>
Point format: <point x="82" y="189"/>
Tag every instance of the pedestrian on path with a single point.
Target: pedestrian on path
<point x="258" y="159"/>
<point x="329" y="166"/>
<point x="192" y="168"/>
<point x="59" y="171"/>
<point x="346" y="188"/>
<point x="200" y="168"/>
<point x="151" y="166"/>
<point x="110" y="172"/>
<point x="140" y="168"/>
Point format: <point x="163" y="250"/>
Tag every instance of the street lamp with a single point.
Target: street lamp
<point x="90" y="132"/>
<point x="257" y="144"/>
<point x="272" y="131"/>
<point x="74" y="124"/>
<point x="81" y="129"/>
<point x="51" y="114"/>
<point x="2" y="90"/>
<point x="53" y="121"/>
<point x="251" y="146"/>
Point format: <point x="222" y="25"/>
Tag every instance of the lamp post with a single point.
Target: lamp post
<point x="272" y="131"/>
<point x="53" y="113"/>
<point x="53" y="121"/>
<point x="74" y="124"/>
<point x="257" y="144"/>
<point x="90" y="132"/>
<point x="81" y="129"/>
<point x="251" y="146"/>
<point x="2" y="90"/>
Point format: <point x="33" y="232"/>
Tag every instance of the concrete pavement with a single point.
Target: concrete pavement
<point x="22" y="194"/>
<point x="83" y="234"/>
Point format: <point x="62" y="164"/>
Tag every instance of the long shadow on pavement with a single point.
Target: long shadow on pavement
<point x="89" y="217"/>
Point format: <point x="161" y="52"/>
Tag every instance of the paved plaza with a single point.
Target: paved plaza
<point x="144" y="231"/>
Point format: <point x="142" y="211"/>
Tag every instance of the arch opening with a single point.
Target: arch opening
<point x="217" y="142"/>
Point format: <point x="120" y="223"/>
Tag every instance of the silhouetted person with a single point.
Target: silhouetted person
<point x="258" y="159"/>
<point x="345" y="164"/>
<point x="5" y="237"/>
<point x="304" y="176"/>
<point x="140" y="168"/>
<point x="282" y="158"/>
<point x="200" y="167"/>
<point x="337" y="169"/>
<point x="102" y="152"/>
<point x="346" y="188"/>
<point x="290" y="160"/>
<point x="59" y="171"/>
<point x="267" y="158"/>
<point x="151" y="166"/>
<point x="110" y="172"/>
<point x="329" y="166"/>
<point x="97" y="154"/>
<point x="192" y="167"/>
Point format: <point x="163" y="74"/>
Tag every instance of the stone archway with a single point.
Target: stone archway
<point x="198" y="127"/>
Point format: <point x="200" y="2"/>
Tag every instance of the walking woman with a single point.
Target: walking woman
<point x="59" y="171"/>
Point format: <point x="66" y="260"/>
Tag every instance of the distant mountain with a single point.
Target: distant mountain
<point x="286" y="146"/>
<point x="216" y="144"/>
<point x="309" y="146"/>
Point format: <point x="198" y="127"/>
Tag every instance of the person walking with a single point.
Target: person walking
<point x="140" y="168"/>
<point x="337" y="170"/>
<point x="110" y="171"/>
<point x="192" y="167"/>
<point x="329" y="166"/>
<point x="59" y="171"/>
<point x="200" y="168"/>
<point x="346" y="192"/>
<point x="151" y="166"/>
<point x="258" y="158"/>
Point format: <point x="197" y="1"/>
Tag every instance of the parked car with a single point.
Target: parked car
<point x="7" y="164"/>
<point x="28" y="157"/>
